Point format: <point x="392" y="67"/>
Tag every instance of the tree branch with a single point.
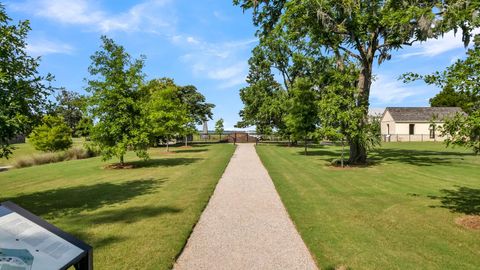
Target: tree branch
<point x="352" y="54"/>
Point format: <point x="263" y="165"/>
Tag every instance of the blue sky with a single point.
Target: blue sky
<point x="206" y="43"/>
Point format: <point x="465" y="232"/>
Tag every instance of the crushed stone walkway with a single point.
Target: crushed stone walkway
<point x="245" y="225"/>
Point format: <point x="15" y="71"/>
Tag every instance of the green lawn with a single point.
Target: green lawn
<point x="396" y="214"/>
<point x="24" y="150"/>
<point x="134" y="218"/>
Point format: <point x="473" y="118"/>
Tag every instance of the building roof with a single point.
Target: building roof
<point x="421" y="114"/>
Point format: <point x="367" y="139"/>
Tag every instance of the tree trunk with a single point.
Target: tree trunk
<point x="343" y="153"/>
<point x="186" y="141"/>
<point x="168" y="150"/>
<point x="122" y="162"/>
<point x="358" y="152"/>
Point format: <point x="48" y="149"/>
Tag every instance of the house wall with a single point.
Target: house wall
<point x="421" y="133"/>
<point x="386" y="122"/>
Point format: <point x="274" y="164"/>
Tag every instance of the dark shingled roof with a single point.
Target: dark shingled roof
<point x="421" y="114"/>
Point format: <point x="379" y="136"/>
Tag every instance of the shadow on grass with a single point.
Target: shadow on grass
<point x="163" y="162"/>
<point x="190" y="150"/>
<point x="328" y="154"/>
<point x="79" y="224"/>
<point x="381" y="155"/>
<point x="97" y="241"/>
<point x="73" y="200"/>
<point x="463" y="200"/>
<point x="417" y="157"/>
<point x="131" y="214"/>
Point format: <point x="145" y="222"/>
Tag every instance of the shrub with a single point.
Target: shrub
<point x="71" y="154"/>
<point x="92" y="149"/>
<point x="53" y="135"/>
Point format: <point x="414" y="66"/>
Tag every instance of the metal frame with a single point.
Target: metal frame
<point x="83" y="261"/>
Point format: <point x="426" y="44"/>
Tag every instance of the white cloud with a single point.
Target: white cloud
<point x="192" y="40"/>
<point x="435" y="47"/>
<point x="226" y="63"/>
<point x="228" y="72"/>
<point x="146" y="16"/>
<point x="387" y="91"/>
<point x="39" y="47"/>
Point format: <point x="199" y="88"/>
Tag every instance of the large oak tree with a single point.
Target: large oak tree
<point x="366" y="31"/>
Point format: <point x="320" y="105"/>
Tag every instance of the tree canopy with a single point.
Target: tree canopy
<point x="264" y="98"/>
<point x="115" y="84"/>
<point x="219" y="128"/>
<point x="167" y="116"/>
<point x="71" y="106"/>
<point x="460" y="84"/>
<point x="364" y="31"/>
<point x="23" y="91"/>
<point x="302" y="111"/>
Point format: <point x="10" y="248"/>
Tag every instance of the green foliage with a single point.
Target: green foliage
<point x="71" y="106"/>
<point x="450" y="98"/>
<point x="461" y="87"/>
<point x="363" y="31"/>
<point x="463" y="130"/>
<point x="460" y="82"/>
<point x="115" y="102"/>
<point x="167" y="116"/>
<point x="198" y="109"/>
<point x="53" y="135"/>
<point x="219" y="129"/>
<point x="264" y="99"/>
<point x="23" y="91"/>
<point x="339" y="114"/>
<point x="84" y="127"/>
<point x="338" y="111"/>
<point x="302" y="111"/>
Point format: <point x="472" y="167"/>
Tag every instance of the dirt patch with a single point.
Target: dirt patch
<point x="119" y="166"/>
<point x="469" y="222"/>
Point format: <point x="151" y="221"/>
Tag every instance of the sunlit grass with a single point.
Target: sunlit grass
<point x="134" y="218"/>
<point x="398" y="213"/>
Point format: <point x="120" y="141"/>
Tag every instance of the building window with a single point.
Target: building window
<point x="412" y="129"/>
<point x="388" y="129"/>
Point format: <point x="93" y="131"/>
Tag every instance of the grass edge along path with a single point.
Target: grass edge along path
<point x="397" y="214"/>
<point x="134" y="218"/>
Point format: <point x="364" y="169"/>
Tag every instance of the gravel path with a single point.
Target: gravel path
<point x="245" y="225"/>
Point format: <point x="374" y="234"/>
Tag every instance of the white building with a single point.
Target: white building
<point x="415" y="123"/>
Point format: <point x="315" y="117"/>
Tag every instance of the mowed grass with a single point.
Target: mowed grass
<point x="134" y="218"/>
<point x="396" y="214"/>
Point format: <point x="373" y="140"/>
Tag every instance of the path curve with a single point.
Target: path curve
<point x="245" y="225"/>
